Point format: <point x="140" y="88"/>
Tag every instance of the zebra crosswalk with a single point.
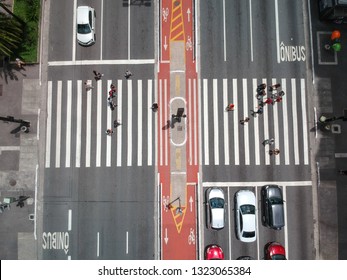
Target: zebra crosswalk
<point x="234" y="144"/>
<point x="77" y="119"/>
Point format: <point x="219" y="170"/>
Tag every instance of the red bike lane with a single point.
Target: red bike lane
<point x="178" y="137"/>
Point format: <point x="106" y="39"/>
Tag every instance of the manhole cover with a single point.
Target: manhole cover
<point x="180" y="128"/>
<point x="13" y="182"/>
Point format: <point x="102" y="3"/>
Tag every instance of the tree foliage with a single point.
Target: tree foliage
<point x="10" y="35"/>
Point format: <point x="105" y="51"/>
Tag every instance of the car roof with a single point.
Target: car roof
<point x="82" y="14"/>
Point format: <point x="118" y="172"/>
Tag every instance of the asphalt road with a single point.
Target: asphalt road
<point x="243" y="44"/>
<point x="99" y="189"/>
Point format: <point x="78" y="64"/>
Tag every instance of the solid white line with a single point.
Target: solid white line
<point x="58" y="128"/>
<point x="129" y="124"/>
<point x="295" y="124"/>
<point x="101" y="27"/>
<point x="78" y="123"/>
<point x="286" y="244"/>
<point x="257" y="222"/>
<point x="215" y="122"/>
<point x="224" y="33"/>
<point x="38" y="124"/>
<point x="68" y="124"/>
<point x="205" y="114"/>
<point x="98" y="244"/>
<point x="277" y="33"/>
<point x="266" y="131"/>
<point x="102" y="62"/>
<point x="139" y="123"/>
<point x="49" y="124"/>
<point x="236" y="128"/>
<point x="229" y="223"/>
<point x="74" y="31"/>
<point x="226" y="124"/>
<point x="260" y="183"/>
<point x="304" y="121"/>
<point x="190" y="124"/>
<point x="129" y="21"/>
<point x="276" y="129"/>
<point x="285" y="124"/>
<point x="108" y="126"/>
<point x="98" y="124"/>
<point x="256" y="126"/>
<point x="195" y="123"/>
<point x="127" y="243"/>
<point x="161" y="122"/>
<point x="315" y="122"/>
<point x="150" y="120"/>
<point x="88" y="125"/>
<point x="166" y="135"/>
<point x="246" y="129"/>
<point x="69" y="223"/>
<point x="250" y="28"/>
<point x="35" y="211"/>
<point x="119" y="116"/>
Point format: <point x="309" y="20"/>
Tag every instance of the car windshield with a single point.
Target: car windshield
<point x="83" y="28"/>
<point x="217" y="202"/>
<point x="278" y="257"/>
<point x="248" y="234"/>
<point x="247" y="209"/>
<point x="276" y="201"/>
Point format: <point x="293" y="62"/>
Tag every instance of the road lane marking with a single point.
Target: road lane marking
<point x="98" y="244"/>
<point x="74" y="36"/>
<point x="88" y="125"/>
<point x="58" y="125"/>
<point x="101" y="62"/>
<point x="69" y="224"/>
<point x="108" y="126"/>
<point x="49" y="124"/>
<point x="304" y="120"/>
<point x="226" y="124"/>
<point x="285" y="124"/>
<point x="224" y="33"/>
<point x="286" y="243"/>
<point x="266" y="131"/>
<point x="205" y="114"/>
<point x="139" y="123"/>
<point x="129" y="124"/>
<point x="129" y="28"/>
<point x="250" y="28"/>
<point x="277" y="33"/>
<point x="295" y="124"/>
<point x="127" y="243"/>
<point x="78" y="123"/>
<point x="98" y="124"/>
<point x="190" y="115"/>
<point x="256" y="184"/>
<point x="216" y="123"/>
<point x="101" y="27"/>
<point x="150" y="117"/>
<point x="236" y="128"/>
<point x="195" y="123"/>
<point x="161" y="132"/>
<point x="119" y="115"/>
<point x="68" y="124"/>
<point x="256" y="126"/>
<point x="166" y="131"/>
<point x="246" y="129"/>
<point x="276" y="129"/>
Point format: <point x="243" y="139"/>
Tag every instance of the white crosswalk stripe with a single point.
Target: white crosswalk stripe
<point x="285" y="121"/>
<point x="77" y="119"/>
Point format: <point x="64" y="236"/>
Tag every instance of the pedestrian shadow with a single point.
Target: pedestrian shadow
<point x="167" y="126"/>
<point x="10" y="71"/>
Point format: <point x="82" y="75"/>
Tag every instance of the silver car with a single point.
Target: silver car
<point x="86" y="25"/>
<point x="245" y="218"/>
<point x="215" y="212"/>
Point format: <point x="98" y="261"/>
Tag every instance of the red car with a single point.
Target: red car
<point x="274" y="251"/>
<point x="214" y="252"/>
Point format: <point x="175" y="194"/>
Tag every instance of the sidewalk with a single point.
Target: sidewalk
<point x="19" y="97"/>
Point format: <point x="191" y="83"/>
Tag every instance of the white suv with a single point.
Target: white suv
<point x="86" y="25"/>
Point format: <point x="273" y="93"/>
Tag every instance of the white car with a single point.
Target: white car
<point x="86" y="25"/>
<point x="245" y="222"/>
<point x="215" y="208"/>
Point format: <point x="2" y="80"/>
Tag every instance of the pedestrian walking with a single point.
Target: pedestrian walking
<point x="274" y="152"/>
<point x="116" y="124"/>
<point x="109" y="132"/>
<point x="154" y="107"/>
<point x="261" y="87"/>
<point x="269" y="100"/>
<point x="278" y="99"/>
<point x="88" y="85"/>
<point x="274" y="87"/>
<point x="111" y="103"/>
<point x="259" y="111"/>
<point x="246" y="120"/>
<point x="268" y="141"/>
<point x="20" y="63"/>
<point x="128" y="74"/>
<point x="230" y="107"/>
<point x="97" y="75"/>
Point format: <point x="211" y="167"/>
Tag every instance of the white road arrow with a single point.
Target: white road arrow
<point x="191" y="203"/>
<point x="166" y="239"/>
<point x="188" y="13"/>
<point x="165" y="44"/>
